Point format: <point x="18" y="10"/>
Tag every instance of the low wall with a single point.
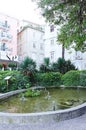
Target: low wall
<point x="8" y="94"/>
<point x="59" y="115"/>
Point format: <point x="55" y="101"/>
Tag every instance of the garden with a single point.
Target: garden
<point x="56" y="84"/>
<point x="60" y="73"/>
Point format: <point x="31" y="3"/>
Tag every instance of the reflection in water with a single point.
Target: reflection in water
<point x="51" y="99"/>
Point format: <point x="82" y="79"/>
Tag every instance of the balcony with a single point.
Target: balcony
<point x="4" y="26"/>
<point x="5" y="37"/>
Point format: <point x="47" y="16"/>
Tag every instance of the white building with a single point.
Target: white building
<point x="30" y="42"/>
<point x="38" y="44"/>
<point x="53" y="50"/>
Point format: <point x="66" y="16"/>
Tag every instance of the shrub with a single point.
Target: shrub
<point x="1" y="66"/>
<point x="3" y="83"/>
<point x="64" y="66"/>
<point x="48" y="79"/>
<point x="83" y="78"/>
<point x="45" y="67"/>
<point x="17" y="81"/>
<point x="12" y="65"/>
<point x="32" y="93"/>
<point x="54" y="67"/>
<point x="74" y="78"/>
<point x="27" y="66"/>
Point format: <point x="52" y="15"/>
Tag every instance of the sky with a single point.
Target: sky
<point x="21" y="9"/>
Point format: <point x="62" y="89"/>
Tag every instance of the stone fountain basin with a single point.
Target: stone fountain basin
<point x="59" y="115"/>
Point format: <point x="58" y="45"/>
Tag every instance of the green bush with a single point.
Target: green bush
<point x="83" y="78"/>
<point x="64" y="66"/>
<point x="12" y="65"/>
<point x="1" y="66"/>
<point x="45" y="67"/>
<point x="32" y="93"/>
<point x="28" y="66"/>
<point x="17" y="81"/>
<point x="61" y="66"/>
<point x="74" y="78"/>
<point x="49" y="79"/>
<point x="3" y="83"/>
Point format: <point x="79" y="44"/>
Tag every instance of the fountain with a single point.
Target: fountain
<point x="47" y="110"/>
<point x="48" y="94"/>
<point x="54" y="106"/>
<point x="22" y="98"/>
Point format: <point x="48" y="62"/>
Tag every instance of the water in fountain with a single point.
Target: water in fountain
<point x="82" y="78"/>
<point x="58" y="100"/>
<point x="48" y="94"/>
<point x="54" y="105"/>
<point x="22" y="98"/>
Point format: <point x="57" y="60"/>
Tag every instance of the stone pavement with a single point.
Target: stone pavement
<point x="72" y="124"/>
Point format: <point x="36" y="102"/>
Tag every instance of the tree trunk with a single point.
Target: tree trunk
<point x="63" y="51"/>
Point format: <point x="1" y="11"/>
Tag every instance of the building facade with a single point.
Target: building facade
<point x="30" y="42"/>
<point x="53" y="50"/>
<point x="19" y="39"/>
<point x="8" y="38"/>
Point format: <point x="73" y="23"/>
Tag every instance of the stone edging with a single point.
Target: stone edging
<point x="16" y="118"/>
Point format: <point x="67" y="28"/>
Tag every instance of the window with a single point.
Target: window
<point x="52" y="42"/>
<point x="33" y="34"/>
<point x="3" y="34"/>
<point x="6" y="23"/>
<point x="41" y="46"/>
<point x="52" y="28"/>
<point x="34" y="45"/>
<point x="34" y="56"/>
<point x="3" y="46"/>
<point x="52" y="55"/>
<point x="41" y="37"/>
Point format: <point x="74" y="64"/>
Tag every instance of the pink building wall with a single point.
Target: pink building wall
<point x="8" y="35"/>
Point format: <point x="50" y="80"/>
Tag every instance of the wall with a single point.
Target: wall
<point x="77" y="58"/>
<point x="8" y="35"/>
<point x="30" y="43"/>
<point x="50" y="47"/>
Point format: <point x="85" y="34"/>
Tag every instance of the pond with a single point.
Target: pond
<point x="49" y="100"/>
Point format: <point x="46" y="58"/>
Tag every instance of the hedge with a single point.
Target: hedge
<point x="49" y="79"/>
<point x="74" y="78"/>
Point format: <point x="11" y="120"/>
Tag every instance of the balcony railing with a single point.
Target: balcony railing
<point x="4" y="26"/>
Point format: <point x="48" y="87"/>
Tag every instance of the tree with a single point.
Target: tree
<point x="71" y="14"/>
<point x="46" y="62"/>
<point x="12" y="65"/>
<point x="63" y="66"/>
<point x="28" y="66"/>
<point x="45" y="67"/>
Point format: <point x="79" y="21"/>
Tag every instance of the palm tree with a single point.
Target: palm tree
<point x="27" y="66"/>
